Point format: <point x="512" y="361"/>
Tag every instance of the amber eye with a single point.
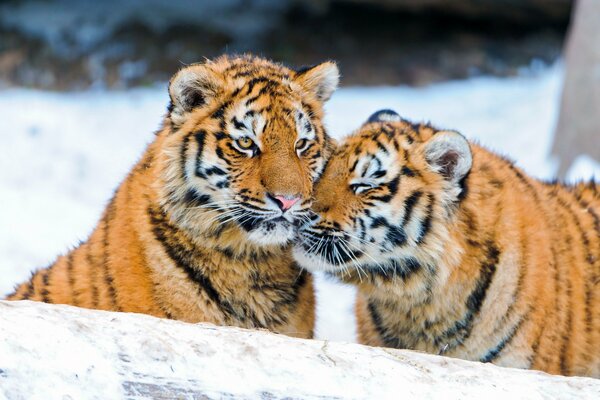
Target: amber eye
<point x="358" y="188"/>
<point x="301" y="145"/>
<point x="245" y="143"/>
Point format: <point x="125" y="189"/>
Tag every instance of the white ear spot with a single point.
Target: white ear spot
<point x="191" y="87"/>
<point x="322" y="80"/>
<point x="449" y="154"/>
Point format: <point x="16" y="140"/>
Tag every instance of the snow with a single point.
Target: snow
<point x="65" y="153"/>
<point x="89" y="354"/>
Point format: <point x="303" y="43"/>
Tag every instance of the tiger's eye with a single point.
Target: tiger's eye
<point x="301" y="144"/>
<point x="245" y="143"/>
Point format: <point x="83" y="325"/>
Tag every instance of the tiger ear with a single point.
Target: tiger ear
<point x="386" y="115"/>
<point x="322" y="79"/>
<point x="449" y="154"/>
<point x="192" y="87"/>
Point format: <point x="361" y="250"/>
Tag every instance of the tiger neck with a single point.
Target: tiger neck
<point x="244" y="284"/>
<point x="458" y="250"/>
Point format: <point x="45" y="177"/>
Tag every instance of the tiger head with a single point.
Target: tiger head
<point x="243" y="143"/>
<point x="385" y="201"/>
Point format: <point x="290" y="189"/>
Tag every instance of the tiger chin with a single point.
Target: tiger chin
<point x="456" y="251"/>
<point x="201" y="228"/>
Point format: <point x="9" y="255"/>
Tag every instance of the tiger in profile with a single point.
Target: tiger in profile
<point x="201" y="228"/>
<point x="456" y="251"/>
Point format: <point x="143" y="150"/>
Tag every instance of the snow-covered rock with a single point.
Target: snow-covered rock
<point x="63" y="352"/>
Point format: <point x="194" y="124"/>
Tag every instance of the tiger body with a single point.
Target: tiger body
<point x="456" y="251"/>
<point x="198" y="230"/>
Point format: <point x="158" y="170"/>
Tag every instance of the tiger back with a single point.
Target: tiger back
<point x="456" y="251"/>
<point x="200" y="229"/>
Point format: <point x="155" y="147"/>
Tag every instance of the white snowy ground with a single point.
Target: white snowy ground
<point x="62" y="155"/>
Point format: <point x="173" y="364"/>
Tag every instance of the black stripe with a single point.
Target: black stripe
<point x="392" y="185"/>
<point x="406" y="267"/>
<point x="221" y="155"/>
<point x="590" y="259"/>
<point x="408" y="171"/>
<point x="71" y="278"/>
<point x="363" y="229"/>
<point x="566" y="333"/>
<point x="30" y="289"/>
<point x="108" y="279"/>
<point x="238" y="124"/>
<point x="461" y="329"/>
<point x="93" y="276"/>
<point x="396" y="236"/>
<point x="195" y="199"/>
<point x="183" y="156"/>
<point x="214" y="170"/>
<point x="220" y="112"/>
<point x="378" y="222"/>
<point x="261" y="79"/>
<point x="200" y="139"/>
<point x="381" y="147"/>
<point x="185" y="258"/>
<point x="487" y="271"/>
<point x="524" y="180"/>
<point x="594" y="274"/>
<point x="45" y="282"/>
<point x="409" y="205"/>
<point x="493" y="353"/>
<point x="426" y="222"/>
<point x="387" y="339"/>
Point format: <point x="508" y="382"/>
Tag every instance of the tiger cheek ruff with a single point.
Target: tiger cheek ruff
<point x="200" y="229"/>
<point x="456" y="251"/>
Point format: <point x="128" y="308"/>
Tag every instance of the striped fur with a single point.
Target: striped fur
<point x="194" y="232"/>
<point x="492" y="266"/>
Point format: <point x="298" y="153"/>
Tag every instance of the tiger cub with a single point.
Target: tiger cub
<point x="201" y="228"/>
<point x="456" y="251"/>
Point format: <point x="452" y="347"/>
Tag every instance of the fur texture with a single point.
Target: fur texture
<point x="456" y="251"/>
<point x="196" y="231"/>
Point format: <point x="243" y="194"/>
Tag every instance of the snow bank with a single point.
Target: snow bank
<point x="62" y="352"/>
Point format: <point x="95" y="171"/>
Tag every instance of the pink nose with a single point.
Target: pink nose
<point x="286" y="202"/>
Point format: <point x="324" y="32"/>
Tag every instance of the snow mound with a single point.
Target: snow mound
<point x="54" y="352"/>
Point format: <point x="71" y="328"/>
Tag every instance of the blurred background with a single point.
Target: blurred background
<point x="83" y="87"/>
<point x="76" y="44"/>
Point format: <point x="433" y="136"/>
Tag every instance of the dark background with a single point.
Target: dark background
<point x="78" y="44"/>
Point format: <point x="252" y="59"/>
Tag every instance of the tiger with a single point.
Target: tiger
<point x="200" y="230"/>
<point x="455" y="251"/>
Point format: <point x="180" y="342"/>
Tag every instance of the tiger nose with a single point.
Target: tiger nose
<point x="284" y="202"/>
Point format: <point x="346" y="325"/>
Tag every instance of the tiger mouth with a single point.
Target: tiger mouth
<point x="254" y="222"/>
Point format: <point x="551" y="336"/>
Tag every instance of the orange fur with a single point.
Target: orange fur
<point x="193" y="232"/>
<point x="492" y="266"/>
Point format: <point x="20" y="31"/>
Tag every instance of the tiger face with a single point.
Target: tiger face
<point x="385" y="200"/>
<point x="246" y="143"/>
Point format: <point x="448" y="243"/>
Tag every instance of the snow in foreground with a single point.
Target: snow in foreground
<point x="136" y="356"/>
<point x="64" y="154"/>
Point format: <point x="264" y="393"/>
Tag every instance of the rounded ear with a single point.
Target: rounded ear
<point x="191" y="87"/>
<point x="322" y="79"/>
<point x="386" y="115"/>
<point x="449" y="154"/>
